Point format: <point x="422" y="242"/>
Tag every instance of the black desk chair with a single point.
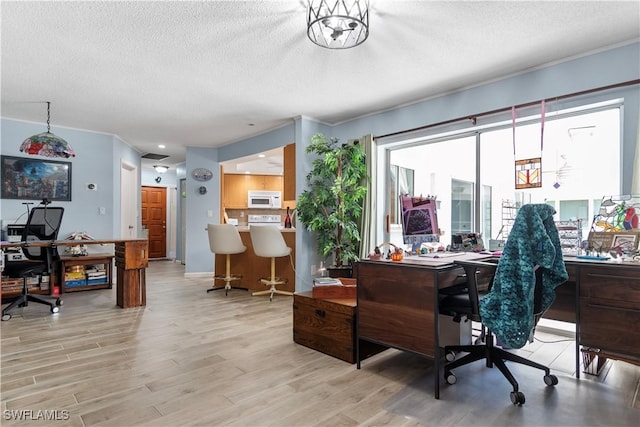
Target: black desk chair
<point x="533" y="233"/>
<point x="43" y="224"/>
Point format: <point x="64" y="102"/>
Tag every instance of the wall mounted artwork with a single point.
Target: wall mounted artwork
<point x="35" y="179"/>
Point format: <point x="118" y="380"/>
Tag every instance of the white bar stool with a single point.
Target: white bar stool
<point x="268" y="242"/>
<point x="225" y="239"/>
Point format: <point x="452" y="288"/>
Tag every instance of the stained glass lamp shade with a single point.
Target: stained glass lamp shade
<point x="47" y="144"/>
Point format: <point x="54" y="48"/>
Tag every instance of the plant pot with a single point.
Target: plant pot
<point x="340" y="271"/>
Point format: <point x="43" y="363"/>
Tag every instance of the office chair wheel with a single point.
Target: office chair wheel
<point x="55" y="309"/>
<point x="550" y="379"/>
<point x="517" y="398"/>
<point x="450" y="378"/>
<point x="6" y="317"/>
<point x="59" y="302"/>
<point x="450" y="356"/>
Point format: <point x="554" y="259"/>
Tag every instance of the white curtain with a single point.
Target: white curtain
<point x="367" y="221"/>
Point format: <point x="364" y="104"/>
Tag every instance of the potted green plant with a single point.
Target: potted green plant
<point x="331" y="205"/>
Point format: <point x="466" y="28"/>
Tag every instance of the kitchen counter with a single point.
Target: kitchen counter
<point x="245" y="229"/>
<point x="253" y="268"/>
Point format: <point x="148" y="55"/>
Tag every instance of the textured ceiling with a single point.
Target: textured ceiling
<point x="210" y="73"/>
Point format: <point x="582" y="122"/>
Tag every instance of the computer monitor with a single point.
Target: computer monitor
<point x="419" y="221"/>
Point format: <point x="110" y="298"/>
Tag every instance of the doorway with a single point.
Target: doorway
<point x="154" y="219"/>
<point x="128" y="201"/>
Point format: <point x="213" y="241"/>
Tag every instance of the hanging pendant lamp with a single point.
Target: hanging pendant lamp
<point x="47" y="144"/>
<point x="338" y="24"/>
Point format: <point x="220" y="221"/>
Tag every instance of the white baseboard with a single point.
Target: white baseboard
<point x="555" y="327"/>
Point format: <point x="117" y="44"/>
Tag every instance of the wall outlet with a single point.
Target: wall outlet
<point x="92" y="187"/>
<point x="313" y="270"/>
<point x="102" y="210"/>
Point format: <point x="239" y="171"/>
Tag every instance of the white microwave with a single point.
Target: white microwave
<point x="265" y="199"/>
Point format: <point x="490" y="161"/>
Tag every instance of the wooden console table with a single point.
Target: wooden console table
<point x="94" y="259"/>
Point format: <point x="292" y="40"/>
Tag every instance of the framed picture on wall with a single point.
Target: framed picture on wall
<point x="35" y="179"/>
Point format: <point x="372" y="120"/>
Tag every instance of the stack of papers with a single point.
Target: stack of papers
<point x="326" y="281"/>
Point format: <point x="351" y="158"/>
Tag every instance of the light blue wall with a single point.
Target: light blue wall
<point x="198" y="258"/>
<point x="267" y="141"/>
<point x="306" y="254"/>
<point x="168" y="179"/>
<point x="97" y="161"/>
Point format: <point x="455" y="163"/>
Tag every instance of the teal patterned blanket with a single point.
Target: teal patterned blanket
<point x="533" y="241"/>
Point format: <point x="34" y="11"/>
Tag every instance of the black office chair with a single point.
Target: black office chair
<point x="43" y="224"/>
<point x="532" y="262"/>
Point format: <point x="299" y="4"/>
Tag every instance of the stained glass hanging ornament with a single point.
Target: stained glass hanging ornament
<point x="47" y="144"/>
<point x="528" y="172"/>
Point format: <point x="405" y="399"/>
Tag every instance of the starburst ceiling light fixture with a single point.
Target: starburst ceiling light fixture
<point x="338" y="24"/>
<point x="47" y="144"/>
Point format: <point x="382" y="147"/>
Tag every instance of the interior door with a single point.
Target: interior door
<point x="154" y="219"/>
<point x="128" y="201"/>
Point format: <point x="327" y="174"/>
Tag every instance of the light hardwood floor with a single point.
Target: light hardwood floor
<point x="192" y="358"/>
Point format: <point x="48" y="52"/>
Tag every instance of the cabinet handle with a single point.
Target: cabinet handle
<point x="609" y="276"/>
<point x="320" y="313"/>
<point x="610" y="307"/>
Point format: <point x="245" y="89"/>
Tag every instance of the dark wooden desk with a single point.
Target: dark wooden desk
<point x="397" y="306"/>
<point x="607" y="308"/>
<point x="131" y="259"/>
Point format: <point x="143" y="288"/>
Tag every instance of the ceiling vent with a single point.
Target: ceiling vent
<point x="153" y="156"/>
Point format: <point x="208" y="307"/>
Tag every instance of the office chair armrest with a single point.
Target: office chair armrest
<point x="489" y="265"/>
<point x="480" y="276"/>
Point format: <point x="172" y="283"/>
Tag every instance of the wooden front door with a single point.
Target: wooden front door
<point x="154" y="219"/>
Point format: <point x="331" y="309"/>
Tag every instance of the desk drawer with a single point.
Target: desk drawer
<point x="614" y="284"/>
<point x="610" y="309"/>
<point x="610" y="328"/>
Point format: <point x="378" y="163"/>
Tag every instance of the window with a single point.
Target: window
<point x="473" y="173"/>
